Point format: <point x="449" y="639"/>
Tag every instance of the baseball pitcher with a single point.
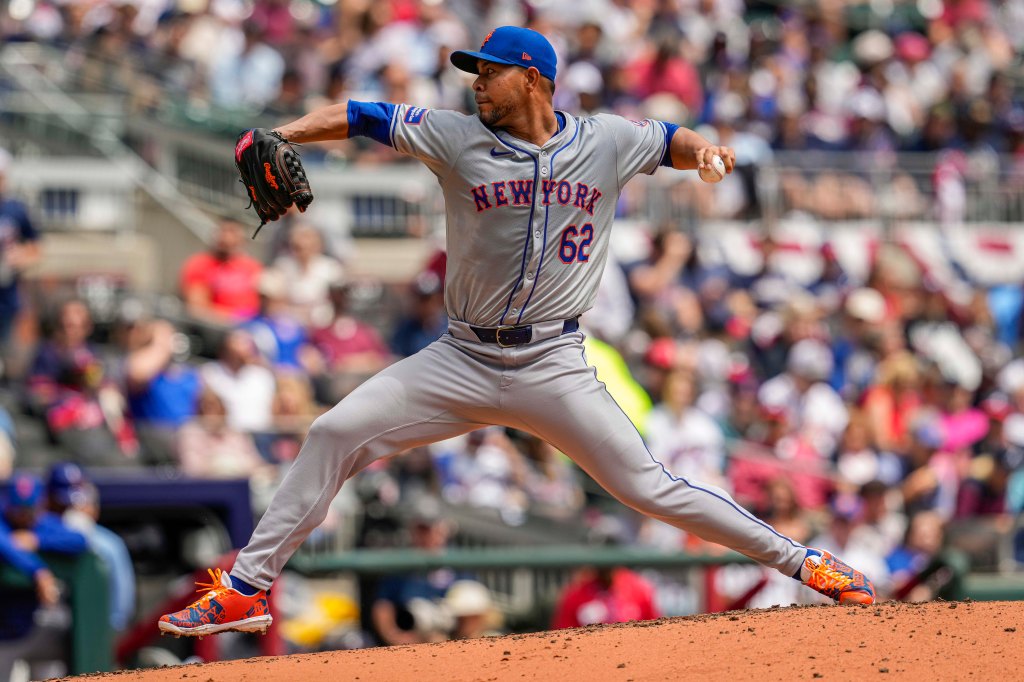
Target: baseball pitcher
<point x="530" y="195"/>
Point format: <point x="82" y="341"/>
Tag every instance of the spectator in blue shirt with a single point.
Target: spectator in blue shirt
<point x="19" y="249"/>
<point x="278" y="334"/>
<point x="426" y="321"/>
<point x="407" y="607"/>
<point x="923" y="541"/>
<point x="32" y="623"/>
<point x="76" y="501"/>
<point x="162" y="391"/>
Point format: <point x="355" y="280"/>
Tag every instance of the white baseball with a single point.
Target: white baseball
<point x="715" y="172"/>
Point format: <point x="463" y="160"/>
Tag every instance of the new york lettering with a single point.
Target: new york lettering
<point x="520" y="193"/>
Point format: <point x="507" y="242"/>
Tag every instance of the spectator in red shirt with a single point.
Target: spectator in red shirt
<point x="351" y="349"/>
<point x="662" y="70"/>
<point x="347" y="343"/>
<point x="219" y="285"/>
<point x="605" y="595"/>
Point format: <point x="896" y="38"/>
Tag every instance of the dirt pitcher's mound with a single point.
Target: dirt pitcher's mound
<point x="940" y="640"/>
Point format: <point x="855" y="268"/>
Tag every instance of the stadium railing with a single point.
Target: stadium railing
<point x="992" y="587"/>
<point x="80" y="193"/>
<point x="44" y="118"/>
<point x="523" y="579"/>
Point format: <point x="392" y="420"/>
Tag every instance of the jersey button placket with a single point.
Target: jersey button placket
<point x="531" y="268"/>
<point x="532" y="265"/>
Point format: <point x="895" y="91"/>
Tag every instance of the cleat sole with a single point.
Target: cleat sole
<point x="258" y="624"/>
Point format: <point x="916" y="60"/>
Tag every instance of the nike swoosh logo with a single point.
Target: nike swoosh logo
<point x="495" y="153"/>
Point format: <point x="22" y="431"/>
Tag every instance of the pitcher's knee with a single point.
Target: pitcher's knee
<point x="350" y="433"/>
<point x="324" y="428"/>
<point x="347" y="421"/>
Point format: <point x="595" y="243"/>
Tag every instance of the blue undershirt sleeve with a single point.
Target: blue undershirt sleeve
<point x="54" y="536"/>
<point x="24" y="562"/>
<point x="670" y="130"/>
<point x="372" y="120"/>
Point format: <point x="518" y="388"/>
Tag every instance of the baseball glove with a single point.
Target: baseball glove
<point x="272" y="173"/>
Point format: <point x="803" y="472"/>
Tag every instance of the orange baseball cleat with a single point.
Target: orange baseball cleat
<point x="833" y="578"/>
<point x="221" y="609"/>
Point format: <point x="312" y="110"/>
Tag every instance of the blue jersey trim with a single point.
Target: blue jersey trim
<point x="670" y="131"/>
<point x="544" y="244"/>
<point x="529" y="228"/>
<point x="394" y="124"/>
<point x="372" y="120"/>
<point x="679" y="479"/>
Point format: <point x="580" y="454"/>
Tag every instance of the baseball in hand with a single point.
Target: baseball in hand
<point x="715" y="171"/>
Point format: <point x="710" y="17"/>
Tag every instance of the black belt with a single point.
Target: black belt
<point x="510" y="335"/>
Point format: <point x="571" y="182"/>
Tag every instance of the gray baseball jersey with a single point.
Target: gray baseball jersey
<point x="528" y="231"/>
<point x="528" y="226"/>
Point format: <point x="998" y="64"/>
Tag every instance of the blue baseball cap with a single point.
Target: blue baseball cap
<point x="63" y="481"/>
<point x="26" y="491"/>
<point x="511" y="45"/>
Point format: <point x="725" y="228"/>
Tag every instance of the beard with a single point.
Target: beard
<point x="498" y="113"/>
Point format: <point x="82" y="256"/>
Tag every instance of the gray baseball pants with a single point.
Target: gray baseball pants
<point x="457" y="385"/>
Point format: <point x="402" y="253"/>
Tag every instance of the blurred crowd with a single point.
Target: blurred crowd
<point x="860" y="415"/>
<point x="40" y="520"/>
<point x="784" y="85"/>
<point x="865" y="410"/>
<point x="922" y="76"/>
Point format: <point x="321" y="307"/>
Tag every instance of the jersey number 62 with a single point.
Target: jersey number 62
<point x="571" y="251"/>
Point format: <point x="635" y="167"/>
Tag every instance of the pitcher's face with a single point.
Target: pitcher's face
<point x="500" y="91"/>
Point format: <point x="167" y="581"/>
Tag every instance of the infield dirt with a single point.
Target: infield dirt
<point x="933" y="641"/>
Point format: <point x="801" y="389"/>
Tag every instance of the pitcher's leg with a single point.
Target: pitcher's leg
<point x="583" y="421"/>
<point x="404" y="406"/>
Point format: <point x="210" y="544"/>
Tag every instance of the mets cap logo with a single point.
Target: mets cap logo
<point x="488" y="37"/>
<point x="24" y="487"/>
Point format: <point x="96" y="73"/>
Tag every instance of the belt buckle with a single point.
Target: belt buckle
<point x="497" y="335"/>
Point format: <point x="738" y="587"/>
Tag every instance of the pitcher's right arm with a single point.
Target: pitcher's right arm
<point x="326" y="123"/>
<point x="434" y="136"/>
